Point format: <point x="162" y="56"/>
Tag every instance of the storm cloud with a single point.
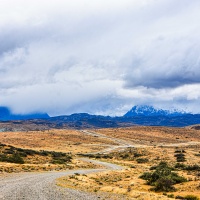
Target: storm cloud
<point x="99" y="57"/>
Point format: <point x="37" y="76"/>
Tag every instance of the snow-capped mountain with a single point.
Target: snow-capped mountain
<point x="145" y="110"/>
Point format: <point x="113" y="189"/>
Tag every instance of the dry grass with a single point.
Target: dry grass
<point x="55" y="140"/>
<point x="152" y="135"/>
<point x="126" y="181"/>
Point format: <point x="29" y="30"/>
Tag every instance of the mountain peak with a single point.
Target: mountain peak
<point x="146" y="110"/>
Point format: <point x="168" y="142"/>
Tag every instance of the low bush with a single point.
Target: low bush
<point x="142" y="160"/>
<point x="14" y="158"/>
<point x="137" y="154"/>
<point x="193" y="168"/>
<point x="191" y="197"/>
<point x="180" y="166"/>
<point x="15" y="155"/>
<point x="180" y="157"/>
<point x="163" y="179"/>
<point x="180" y="151"/>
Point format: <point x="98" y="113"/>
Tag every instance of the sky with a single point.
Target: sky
<point x="101" y="57"/>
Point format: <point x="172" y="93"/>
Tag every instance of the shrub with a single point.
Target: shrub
<point x="142" y="160"/>
<point x="146" y="176"/>
<point x="179" y="197"/>
<point x="193" y="168"/>
<point x="170" y="195"/>
<point x="153" y="167"/>
<point x="191" y="197"/>
<point x="14" y="158"/>
<point x="180" y="151"/>
<point x="163" y="178"/>
<point x="137" y="154"/>
<point x="44" y="153"/>
<point x="60" y="158"/>
<point x="180" y="166"/>
<point x="180" y="157"/>
<point x="16" y="155"/>
<point x="124" y="156"/>
<point x="107" y="157"/>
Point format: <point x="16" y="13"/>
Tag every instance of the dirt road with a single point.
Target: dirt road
<point x="122" y="144"/>
<point x="42" y="186"/>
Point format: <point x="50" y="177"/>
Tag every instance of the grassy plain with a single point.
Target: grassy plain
<point x="148" y="146"/>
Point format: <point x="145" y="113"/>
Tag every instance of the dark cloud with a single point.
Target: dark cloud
<point x="84" y="56"/>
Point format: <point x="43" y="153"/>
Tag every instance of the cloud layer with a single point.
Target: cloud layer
<point x="100" y="57"/>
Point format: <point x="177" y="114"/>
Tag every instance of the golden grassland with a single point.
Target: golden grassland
<point x="157" y="144"/>
<point x="150" y="135"/>
<point x="128" y="182"/>
<point x="68" y="141"/>
<point x="55" y="140"/>
<point x="40" y="167"/>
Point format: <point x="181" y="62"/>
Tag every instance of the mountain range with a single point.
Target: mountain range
<point x="138" y="115"/>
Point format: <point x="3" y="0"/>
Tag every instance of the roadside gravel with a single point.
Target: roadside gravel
<point x="42" y="186"/>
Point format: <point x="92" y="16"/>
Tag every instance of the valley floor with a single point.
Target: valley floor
<point x="126" y="154"/>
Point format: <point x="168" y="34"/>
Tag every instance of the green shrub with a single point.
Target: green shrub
<point x="163" y="178"/>
<point x="170" y="195"/>
<point x="193" y="168"/>
<point x="15" y="155"/>
<point x="137" y="154"/>
<point x="14" y="158"/>
<point x="191" y="197"/>
<point x="180" y="166"/>
<point x="142" y="160"/>
<point x="146" y="176"/>
<point x="180" y="157"/>
<point x="107" y="157"/>
<point x="180" y="151"/>
<point x="124" y="156"/>
<point x="153" y="167"/>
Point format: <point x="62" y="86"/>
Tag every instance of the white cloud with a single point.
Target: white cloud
<point x="99" y="56"/>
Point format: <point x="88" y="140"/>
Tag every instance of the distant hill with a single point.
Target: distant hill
<point x="6" y="115"/>
<point x="146" y="110"/>
<point x="138" y="115"/>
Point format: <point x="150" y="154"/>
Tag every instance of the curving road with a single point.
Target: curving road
<point x="122" y="144"/>
<point x="42" y="186"/>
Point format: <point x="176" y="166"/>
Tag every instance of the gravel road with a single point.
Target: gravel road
<point x="42" y="186"/>
<point x="122" y="144"/>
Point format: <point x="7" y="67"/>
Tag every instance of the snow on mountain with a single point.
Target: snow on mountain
<point x="145" y="110"/>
